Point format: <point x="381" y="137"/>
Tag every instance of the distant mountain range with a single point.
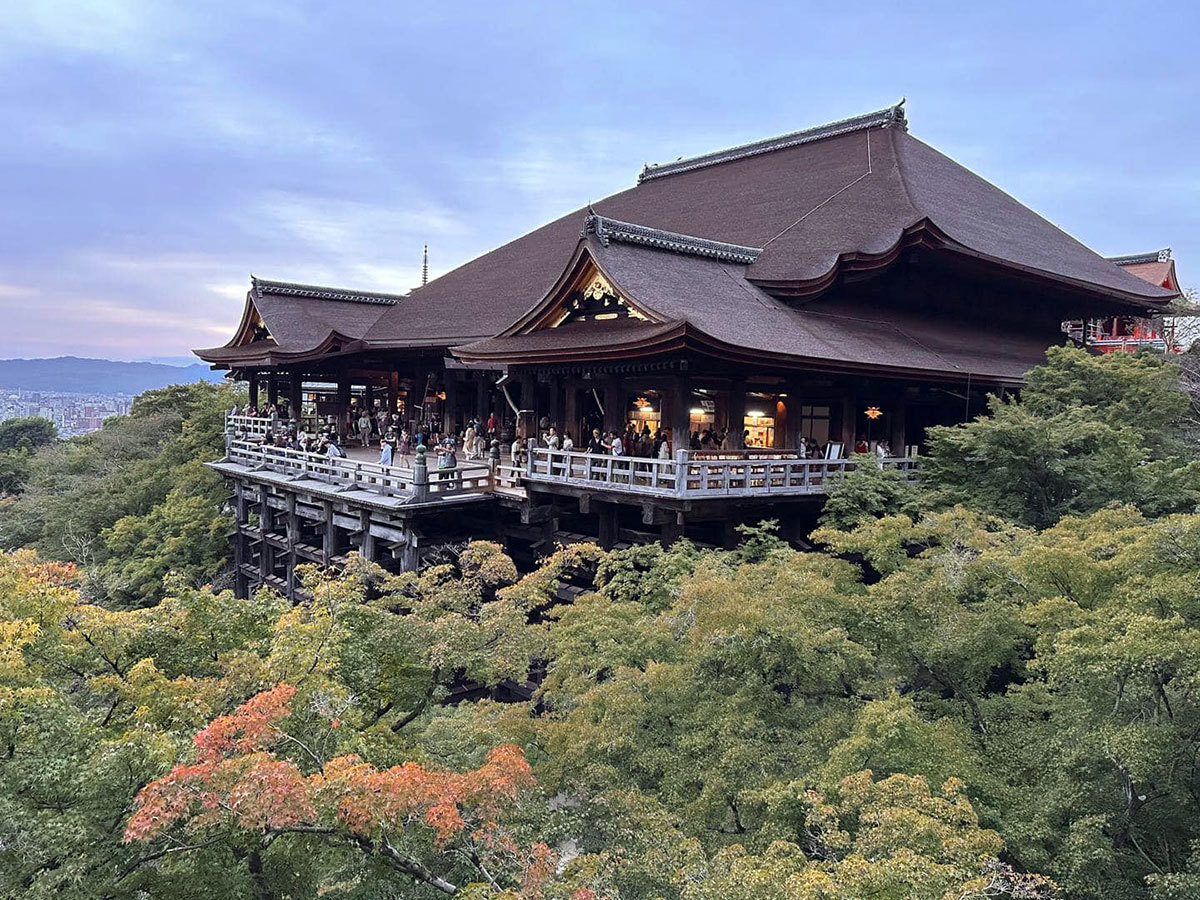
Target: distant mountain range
<point x="97" y="376"/>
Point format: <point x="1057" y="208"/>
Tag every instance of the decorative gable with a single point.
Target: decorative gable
<point x="584" y="294"/>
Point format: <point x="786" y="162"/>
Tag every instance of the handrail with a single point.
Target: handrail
<point x="354" y="474"/>
<point x="698" y="474"/>
<point x="687" y="476"/>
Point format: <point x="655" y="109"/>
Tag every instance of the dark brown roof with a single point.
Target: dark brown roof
<point x="302" y="320"/>
<point x="812" y="202"/>
<point x="709" y="305"/>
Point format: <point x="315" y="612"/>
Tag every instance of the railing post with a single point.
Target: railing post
<point x="420" y="475"/>
<point x="681" y="471"/>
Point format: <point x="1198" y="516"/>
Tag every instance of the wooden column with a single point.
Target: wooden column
<point x="614" y="404"/>
<point x="329" y="538"/>
<point x="273" y="389"/>
<point x="293" y="536"/>
<point x="266" y="525"/>
<point x="416" y="398"/>
<point x="570" y="424"/>
<point x="481" y="397"/>
<point x="369" y="399"/>
<point x="606" y="513"/>
<point x="899" y="429"/>
<point x="241" y="584"/>
<point x="296" y="396"/>
<point x="527" y="402"/>
<point x="342" y="406"/>
<point x="737" y="412"/>
<point x="849" y="422"/>
<point x="672" y="530"/>
<point x="450" y="407"/>
<point x="679" y="408"/>
<point x="366" y="540"/>
<point x="393" y="392"/>
<point x="252" y="386"/>
<point x="783" y="426"/>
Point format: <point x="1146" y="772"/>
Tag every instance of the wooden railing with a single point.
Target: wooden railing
<point x="419" y="481"/>
<point x="700" y="474"/>
<point x="690" y="475"/>
<point x="251" y="426"/>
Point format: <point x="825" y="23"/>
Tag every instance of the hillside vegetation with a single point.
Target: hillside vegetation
<point x="985" y="688"/>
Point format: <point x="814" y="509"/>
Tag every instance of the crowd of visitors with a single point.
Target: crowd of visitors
<point x="397" y="443"/>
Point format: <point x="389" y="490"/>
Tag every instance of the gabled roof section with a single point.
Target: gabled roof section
<point x="706" y="305"/>
<point x="286" y="322"/>
<point x="850" y="195"/>
<point x="1156" y="267"/>
<point x="627" y="232"/>
<point x="892" y="116"/>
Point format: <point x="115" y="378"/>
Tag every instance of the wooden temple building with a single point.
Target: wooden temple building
<point x="836" y="286"/>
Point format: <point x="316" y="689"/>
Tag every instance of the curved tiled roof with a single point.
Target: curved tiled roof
<point x="301" y="319"/>
<point x="812" y="201"/>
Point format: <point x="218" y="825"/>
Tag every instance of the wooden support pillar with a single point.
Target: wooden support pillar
<point x="899" y="426"/>
<point x="252" y="386"/>
<point x="570" y="423"/>
<point x="783" y="425"/>
<point x="606" y="514"/>
<point x="614" y="404"/>
<point x="266" y="525"/>
<point x="329" y="538"/>
<point x="273" y="389"/>
<point x="393" y="392"/>
<point x="296" y="396"/>
<point x="241" y="585"/>
<point x="450" y="407"/>
<point x="369" y="399"/>
<point x="417" y="413"/>
<point x="481" y="396"/>
<point x="680" y="409"/>
<point x="527" y="403"/>
<point x="736" y="423"/>
<point x="555" y="409"/>
<point x="672" y="530"/>
<point x="341" y="406"/>
<point x="366" y="541"/>
<point x="293" y="538"/>
<point x="849" y="422"/>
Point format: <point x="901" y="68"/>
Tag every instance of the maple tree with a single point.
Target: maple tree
<point x="239" y="780"/>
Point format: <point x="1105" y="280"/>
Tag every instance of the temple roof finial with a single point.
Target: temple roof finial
<point x="425" y="266"/>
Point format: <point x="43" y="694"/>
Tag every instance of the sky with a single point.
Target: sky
<point x="155" y="153"/>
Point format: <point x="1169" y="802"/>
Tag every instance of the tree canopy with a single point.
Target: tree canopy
<point x="984" y="686"/>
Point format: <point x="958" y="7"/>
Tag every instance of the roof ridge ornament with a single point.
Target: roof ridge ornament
<point x="606" y="229"/>
<point x="890" y="117"/>
<point x="1136" y="259"/>
<point x="316" y="292"/>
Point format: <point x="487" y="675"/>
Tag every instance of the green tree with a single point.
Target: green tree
<point x="1087" y="430"/>
<point x="134" y="499"/>
<point x="27" y="434"/>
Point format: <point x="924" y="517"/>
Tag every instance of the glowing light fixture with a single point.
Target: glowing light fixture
<point x="872" y="413"/>
<point x="696" y="411"/>
<point x="755" y="414"/>
<point x="646" y="407"/>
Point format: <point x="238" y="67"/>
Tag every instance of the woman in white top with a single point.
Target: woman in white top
<point x="567" y="443"/>
<point x="617" y="447"/>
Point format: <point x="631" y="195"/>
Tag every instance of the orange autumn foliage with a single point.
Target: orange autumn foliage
<point x="238" y="780"/>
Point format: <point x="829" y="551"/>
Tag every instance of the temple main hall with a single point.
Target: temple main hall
<point x="837" y="289"/>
